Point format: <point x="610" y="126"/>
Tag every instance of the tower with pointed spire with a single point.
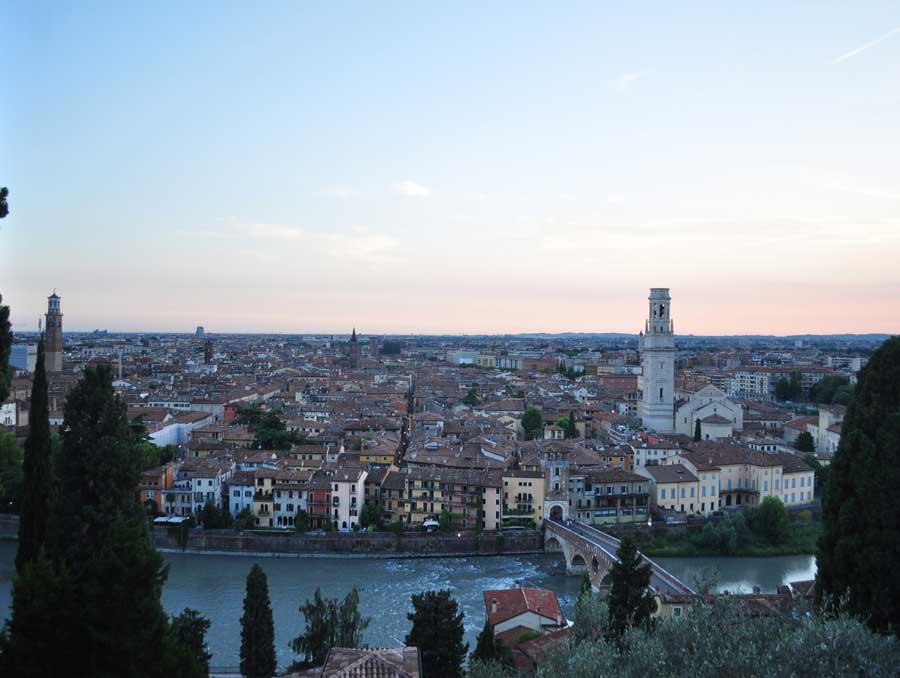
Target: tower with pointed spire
<point x="54" y="335"/>
<point x="354" y="350"/>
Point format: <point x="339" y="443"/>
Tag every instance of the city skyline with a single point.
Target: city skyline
<point x="449" y="171"/>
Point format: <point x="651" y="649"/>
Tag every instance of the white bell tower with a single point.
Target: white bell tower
<point x="656" y="385"/>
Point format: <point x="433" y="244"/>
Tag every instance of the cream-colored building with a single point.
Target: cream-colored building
<point x="719" y="417"/>
<point x="523" y="496"/>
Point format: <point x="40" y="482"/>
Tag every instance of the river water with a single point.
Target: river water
<point x="214" y="585"/>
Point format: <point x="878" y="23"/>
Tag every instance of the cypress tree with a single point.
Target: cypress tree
<point x="859" y="552"/>
<point x="630" y="601"/>
<point x="697" y="434"/>
<point x="99" y="533"/>
<point x="489" y="649"/>
<point x="438" y="631"/>
<point x="257" y="628"/>
<point x="6" y="338"/>
<point x="37" y="492"/>
<point x="40" y="638"/>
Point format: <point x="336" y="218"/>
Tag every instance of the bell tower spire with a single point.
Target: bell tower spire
<point x="656" y="385"/>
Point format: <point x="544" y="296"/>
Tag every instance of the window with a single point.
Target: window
<point x="692" y="493"/>
<point x="682" y="493"/>
<point x="676" y="612"/>
<point x="765" y="486"/>
<point x="662" y="493"/>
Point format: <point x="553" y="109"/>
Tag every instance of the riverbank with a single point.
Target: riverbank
<point x="355" y="545"/>
<point x="802" y="537"/>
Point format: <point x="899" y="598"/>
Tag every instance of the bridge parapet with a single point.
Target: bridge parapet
<point x="585" y="548"/>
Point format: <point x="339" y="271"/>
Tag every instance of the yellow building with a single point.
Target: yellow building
<point x="523" y="497"/>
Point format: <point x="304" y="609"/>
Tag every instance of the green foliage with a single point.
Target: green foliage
<point x="445" y="520"/>
<point x="244" y="520"/>
<point x="371" y="516"/>
<point x="257" y="628"/>
<point x="4" y="208"/>
<point x="11" y="473"/>
<point x="301" y="521"/>
<point x="6" y="339"/>
<point x="214" y="518"/>
<point x="533" y="423"/>
<point x="805" y="442"/>
<point x="488" y="649"/>
<point x="697" y="431"/>
<point x="437" y="630"/>
<point x="859" y="553"/>
<point x="472" y="398"/>
<point x="770" y="521"/>
<point x="40" y="635"/>
<point x="491" y="669"/>
<point x="329" y="623"/>
<point x="591" y="616"/>
<point x="723" y="638"/>
<point x="789" y="388"/>
<point x="831" y="389"/>
<point x="585" y="589"/>
<point x="187" y="642"/>
<point x="738" y="534"/>
<point x="631" y="603"/>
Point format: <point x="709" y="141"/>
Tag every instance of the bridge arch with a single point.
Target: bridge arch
<point x="578" y="564"/>
<point x="558" y="511"/>
<point x="553" y="545"/>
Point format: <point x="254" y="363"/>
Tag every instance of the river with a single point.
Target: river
<point x="214" y="585"/>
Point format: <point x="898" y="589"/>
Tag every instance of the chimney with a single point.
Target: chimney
<point x="494" y="606"/>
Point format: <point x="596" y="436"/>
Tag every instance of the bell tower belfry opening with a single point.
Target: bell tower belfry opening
<point x="656" y="385"/>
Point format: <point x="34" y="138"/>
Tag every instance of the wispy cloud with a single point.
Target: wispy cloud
<point x="863" y="48"/>
<point x="411" y="188"/>
<point x="626" y="80"/>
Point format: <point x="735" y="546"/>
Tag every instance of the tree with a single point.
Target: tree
<point x="6" y="339"/>
<point x="37" y="491"/>
<point x="771" y="521"/>
<point x="99" y="534"/>
<point x="586" y="588"/>
<point x="318" y="636"/>
<point x="631" y="603"/>
<point x="489" y="649"/>
<point x="826" y="389"/>
<point x="11" y="476"/>
<point x="187" y="643"/>
<point x="805" y="442"/>
<point x="789" y="388"/>
<point x="4" y="205"/>
<point x="257" y="628"/>
<point x="437" y="630"/>
<point x="351" y="625"/>
<point x="301" y="521"/>
<point x="570" y="427"/>
<point x="533" y="423"/>
<point x="472" y="398"/>
<point x="371" y="515"/>
<point x="859" y="552"/>
<point x="329" y="623"/>
<point x="214" y="518"/>
<point x="698" y="435"/>
<point x="245" y="520"/>
<point x="40" y="635"/>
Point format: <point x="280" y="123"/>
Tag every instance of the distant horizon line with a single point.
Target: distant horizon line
<point x="460" y="334"/>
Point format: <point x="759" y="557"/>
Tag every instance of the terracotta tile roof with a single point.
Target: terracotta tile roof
<point x="513" y="602"/>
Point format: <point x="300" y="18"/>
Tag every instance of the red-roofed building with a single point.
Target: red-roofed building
<point x="533" y="609"/>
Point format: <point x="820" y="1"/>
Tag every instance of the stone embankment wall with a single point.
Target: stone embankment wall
<point x="381" y="544"/>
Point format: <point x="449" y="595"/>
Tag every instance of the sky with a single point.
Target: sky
<point x="454" y="167"/>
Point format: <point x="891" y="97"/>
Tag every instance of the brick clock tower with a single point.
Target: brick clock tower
<point x="53" y="344"/>
<point x="656" y="385"/>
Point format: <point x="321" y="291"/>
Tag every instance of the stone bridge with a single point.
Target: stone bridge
<point x="587" y="549"/>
